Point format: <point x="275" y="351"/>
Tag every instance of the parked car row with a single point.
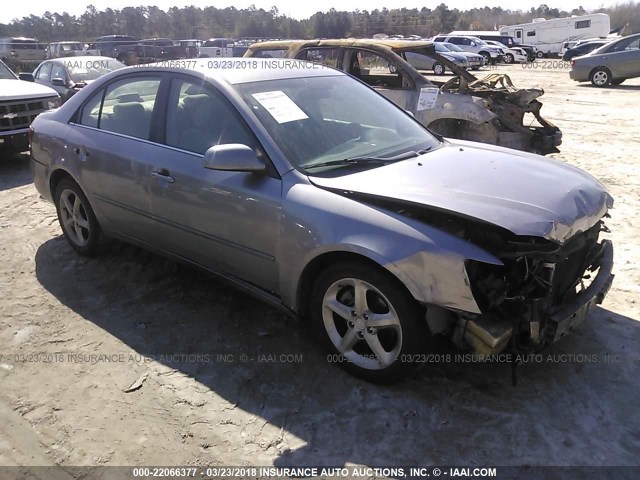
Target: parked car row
<point x="304" y="187"/>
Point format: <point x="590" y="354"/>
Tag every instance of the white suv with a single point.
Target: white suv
<point x="490" y="53"/>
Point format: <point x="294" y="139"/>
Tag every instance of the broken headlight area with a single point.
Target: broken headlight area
<point x="536" y="293"/>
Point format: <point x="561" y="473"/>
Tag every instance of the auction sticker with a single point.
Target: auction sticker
<point x="427" y="99"/>
<point x="280" y="106"/>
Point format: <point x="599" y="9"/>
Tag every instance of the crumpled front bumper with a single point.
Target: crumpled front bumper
<point x="568" y="316"/>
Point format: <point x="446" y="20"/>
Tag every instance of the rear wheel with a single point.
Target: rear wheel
<point x="600" y="77"/>
<point x="76" y="217"/>
<point x="438" y="68"/>
<point x="369" y="322"/>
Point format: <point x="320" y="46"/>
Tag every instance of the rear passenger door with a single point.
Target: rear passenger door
<point x="223" y="220"/>
<point x="111" y="141"/>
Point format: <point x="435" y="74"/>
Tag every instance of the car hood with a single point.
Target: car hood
<point x="526" y="194"/>
<point x="469" y="55"/>
<point x="454" y="56"/>
<point x="21" y="90"/>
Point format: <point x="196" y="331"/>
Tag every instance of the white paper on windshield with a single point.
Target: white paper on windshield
<point x="427" y="99"/>
<point x="280" y="106"/>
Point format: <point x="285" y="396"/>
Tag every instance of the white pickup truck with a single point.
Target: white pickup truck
<point x="20" y="103"/>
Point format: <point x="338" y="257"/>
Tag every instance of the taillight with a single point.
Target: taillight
<point x="573" y="62"/>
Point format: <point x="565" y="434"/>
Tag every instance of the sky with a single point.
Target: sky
<point x="11" y="9"/>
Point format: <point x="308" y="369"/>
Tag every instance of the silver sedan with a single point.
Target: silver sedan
<point x="611" y="64"/>
<point x="308" y="189"/>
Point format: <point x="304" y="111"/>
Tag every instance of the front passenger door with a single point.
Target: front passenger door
<point x="223" y="220"/>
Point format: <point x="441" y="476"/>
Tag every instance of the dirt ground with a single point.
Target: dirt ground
<point x="226" y="380"/>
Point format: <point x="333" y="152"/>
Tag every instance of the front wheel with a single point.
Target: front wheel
<point x="370" y="324"/>
<point x="508" y="58"/>
<point x="539" y="54"/>
<point x="76" y="217"/>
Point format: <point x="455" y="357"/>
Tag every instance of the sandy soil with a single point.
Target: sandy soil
<point x="76" y="333"/>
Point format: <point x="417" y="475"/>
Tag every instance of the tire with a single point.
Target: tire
<point x="600" y="77"/>
<point x="383" y="354"/>
<point x="508" y="58"/>
<point x="539" y="54"/>
<point x="617" y="81"/>
<point x="77" y="220"/>
<point x="439" y="68"/>
<point x="487" y="58"/>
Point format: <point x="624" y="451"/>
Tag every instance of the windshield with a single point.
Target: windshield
<point x="81" y="70"/>
<point x="6" y="73"/>
<point x="316" y="120"/>
<point x="71" y="47"/>
<point x="452" y="47"/>
<point x="441" y="48"/>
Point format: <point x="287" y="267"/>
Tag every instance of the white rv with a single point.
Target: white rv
<point x="550" y="35"/>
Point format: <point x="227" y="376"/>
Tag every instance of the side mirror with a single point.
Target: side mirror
<point x="27" y="77"/>
<point x="58" y="82"/>
<point x="233" y="157"/>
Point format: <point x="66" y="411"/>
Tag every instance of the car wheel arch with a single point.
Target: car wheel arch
<point x="313" y="268"/>
<point x="57" y="176"/>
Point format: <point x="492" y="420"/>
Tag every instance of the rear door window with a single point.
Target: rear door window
<point x="128" y="106"/>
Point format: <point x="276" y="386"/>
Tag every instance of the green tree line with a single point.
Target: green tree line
<point x="203" y="23"/>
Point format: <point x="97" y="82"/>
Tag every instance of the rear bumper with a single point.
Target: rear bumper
<point x="40" y="173"/>
<point x="578" y="75"/>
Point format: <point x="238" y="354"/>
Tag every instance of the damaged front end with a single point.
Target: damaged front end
<point x="509" y="104"/>
<point x="540" y="293"/>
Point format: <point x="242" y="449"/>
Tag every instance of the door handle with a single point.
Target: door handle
<point x="162" y="174"/>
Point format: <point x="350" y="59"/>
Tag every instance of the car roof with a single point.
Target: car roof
<point x="344" y="42"/>
<point x="245" y="70"/>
